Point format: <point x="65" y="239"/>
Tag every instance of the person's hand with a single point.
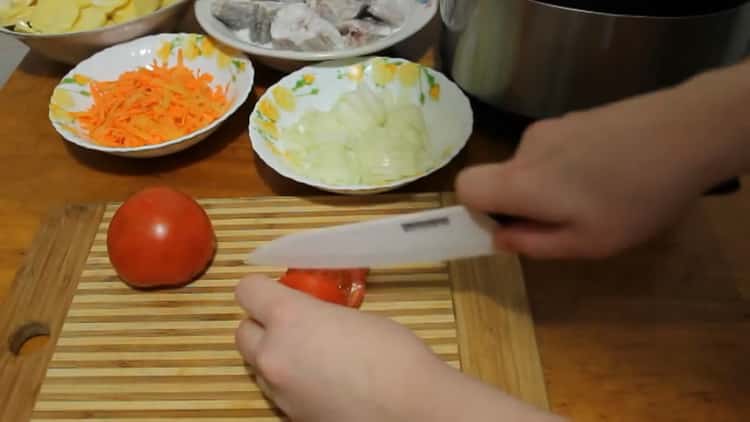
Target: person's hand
<point x="319" y="361"/>
<point x="323" y="362"/>
<point x="593" y="183"/>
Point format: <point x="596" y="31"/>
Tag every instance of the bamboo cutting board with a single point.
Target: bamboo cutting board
<point x="116" y="354"/>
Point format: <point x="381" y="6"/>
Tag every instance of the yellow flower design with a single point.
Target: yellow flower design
<point x="164" y="51"/>
<point x="435" y="92"/>
<point x="59" y="114"/>
<point x="268" y="127"/>
<point x="383" y="72"/>
<point x="62" y="98"/>
<point x="356" y="72"/>
<point x="268" y="110"/>
<point x="207" y="46"/>
<point x="408" y="74"/>
<point x="81" y="79"/>
<point x="284" y="98"/>
<point x="73" y="130"/>
<point x="191" y="50"/>
<point x="224" y="55"/>
<point x="222" y="60"/>
<point x="309" y="78"/>
<point x="276" y="151"/>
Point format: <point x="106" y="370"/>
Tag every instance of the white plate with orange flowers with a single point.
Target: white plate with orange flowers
<point x="152" y="96"/>
<point x="361" y="126"/>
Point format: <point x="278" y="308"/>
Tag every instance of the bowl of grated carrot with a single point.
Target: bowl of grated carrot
<point x="152" y="96"/>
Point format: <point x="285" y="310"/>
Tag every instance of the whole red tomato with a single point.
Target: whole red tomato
<point x="160" y="237"/>
<point x="343" y="287"/>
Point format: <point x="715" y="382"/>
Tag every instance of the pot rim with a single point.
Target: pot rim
<point x="637" y="16"/>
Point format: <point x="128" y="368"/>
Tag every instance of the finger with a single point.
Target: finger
<point x="539" y="241"/>
<point x="247" y="339"/>
<point x="261" y="297"/>
<point x="270" y="393"/>
<point x="263" y="385"/>
<point x="501" y="188"/>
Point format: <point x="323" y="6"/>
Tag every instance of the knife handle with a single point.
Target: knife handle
<point x="726" y="188"/>
<point x="505" y="219"/>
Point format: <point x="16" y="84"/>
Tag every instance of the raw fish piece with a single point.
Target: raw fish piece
<point x="337" y="11"/>
<point x="358" y="32"/>
<point x="255" y="16"/>
<point x="298" y="27"/>
<point x="262" y="19"/>
<point x="235" y="14"/>
<point x="392" y="12"/>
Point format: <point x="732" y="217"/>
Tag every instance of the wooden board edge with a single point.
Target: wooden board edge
<point x="493" y="313"/>
<point x="38" y="301"/>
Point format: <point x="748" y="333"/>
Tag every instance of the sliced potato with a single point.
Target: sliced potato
<point x="145" y="7"/>
<point x="53" y="16"/>
<point x="21" y="3"/>
<point x="125" y="13"/>
<point x="108" y="5"/>
<point x="91" y="18"/>
<point x="58" y="16"/>
<point x="9" y="16"/>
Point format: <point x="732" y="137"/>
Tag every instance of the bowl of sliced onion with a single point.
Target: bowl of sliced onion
<point x="361" y="126"/>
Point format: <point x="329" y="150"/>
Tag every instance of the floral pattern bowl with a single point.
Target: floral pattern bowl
<point x="420" y="15"/>
<point x="446" y="110"/>
<point x="230" y="69"/>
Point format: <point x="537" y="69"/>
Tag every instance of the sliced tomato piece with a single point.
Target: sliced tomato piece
<point x="342" y="287"/>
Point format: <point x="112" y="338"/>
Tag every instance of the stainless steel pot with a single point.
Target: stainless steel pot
<point x="540" y="59"/>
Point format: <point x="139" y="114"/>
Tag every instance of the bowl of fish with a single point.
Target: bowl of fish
<point x="290" y="34"/>
<point x="70" y="31"/>
<point x="152" y="96"/>
<point x="361" y="125"/>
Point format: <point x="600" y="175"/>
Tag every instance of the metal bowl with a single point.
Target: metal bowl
<point x="540" y="59"/>
<point x="73" y="47"/>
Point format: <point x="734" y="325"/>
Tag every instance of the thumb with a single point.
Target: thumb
<point x="262" y="297"/>
<point x="535" y="240"/>
<point x="502" y="188"/>
<point x="550" y="241"/>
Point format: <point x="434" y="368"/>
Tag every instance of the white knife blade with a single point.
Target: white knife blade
<point x="423" y="237"/>
<point x="12" y="52"/>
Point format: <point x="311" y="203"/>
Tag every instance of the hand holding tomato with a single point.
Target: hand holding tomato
<point x="160" y="237"/>
<point x="320" y="361"/>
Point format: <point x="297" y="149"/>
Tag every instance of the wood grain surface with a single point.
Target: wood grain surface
<point x="40" y="297"/>
<point x="658" y="333"/>
<point x="124" y="354"/>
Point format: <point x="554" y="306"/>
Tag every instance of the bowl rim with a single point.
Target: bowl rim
<point x="202" y="8"/>
<point x="30" y="35"/>
<point x="239" y="102"/>
<point x="355" y="189"/>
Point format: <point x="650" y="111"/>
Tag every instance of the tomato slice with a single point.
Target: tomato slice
<point x="343" y="287"/>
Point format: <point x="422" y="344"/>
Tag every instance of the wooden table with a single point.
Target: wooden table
<point x="660" y="333"/>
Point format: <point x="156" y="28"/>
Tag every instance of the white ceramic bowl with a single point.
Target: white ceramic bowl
<point x="447" y="111"/>
<point x="72" y="93"/>
<point x="421" y="14"/>
<point x="73" y="47"/>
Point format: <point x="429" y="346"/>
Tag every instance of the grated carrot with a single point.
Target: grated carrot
<point x="152" y="105"/>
